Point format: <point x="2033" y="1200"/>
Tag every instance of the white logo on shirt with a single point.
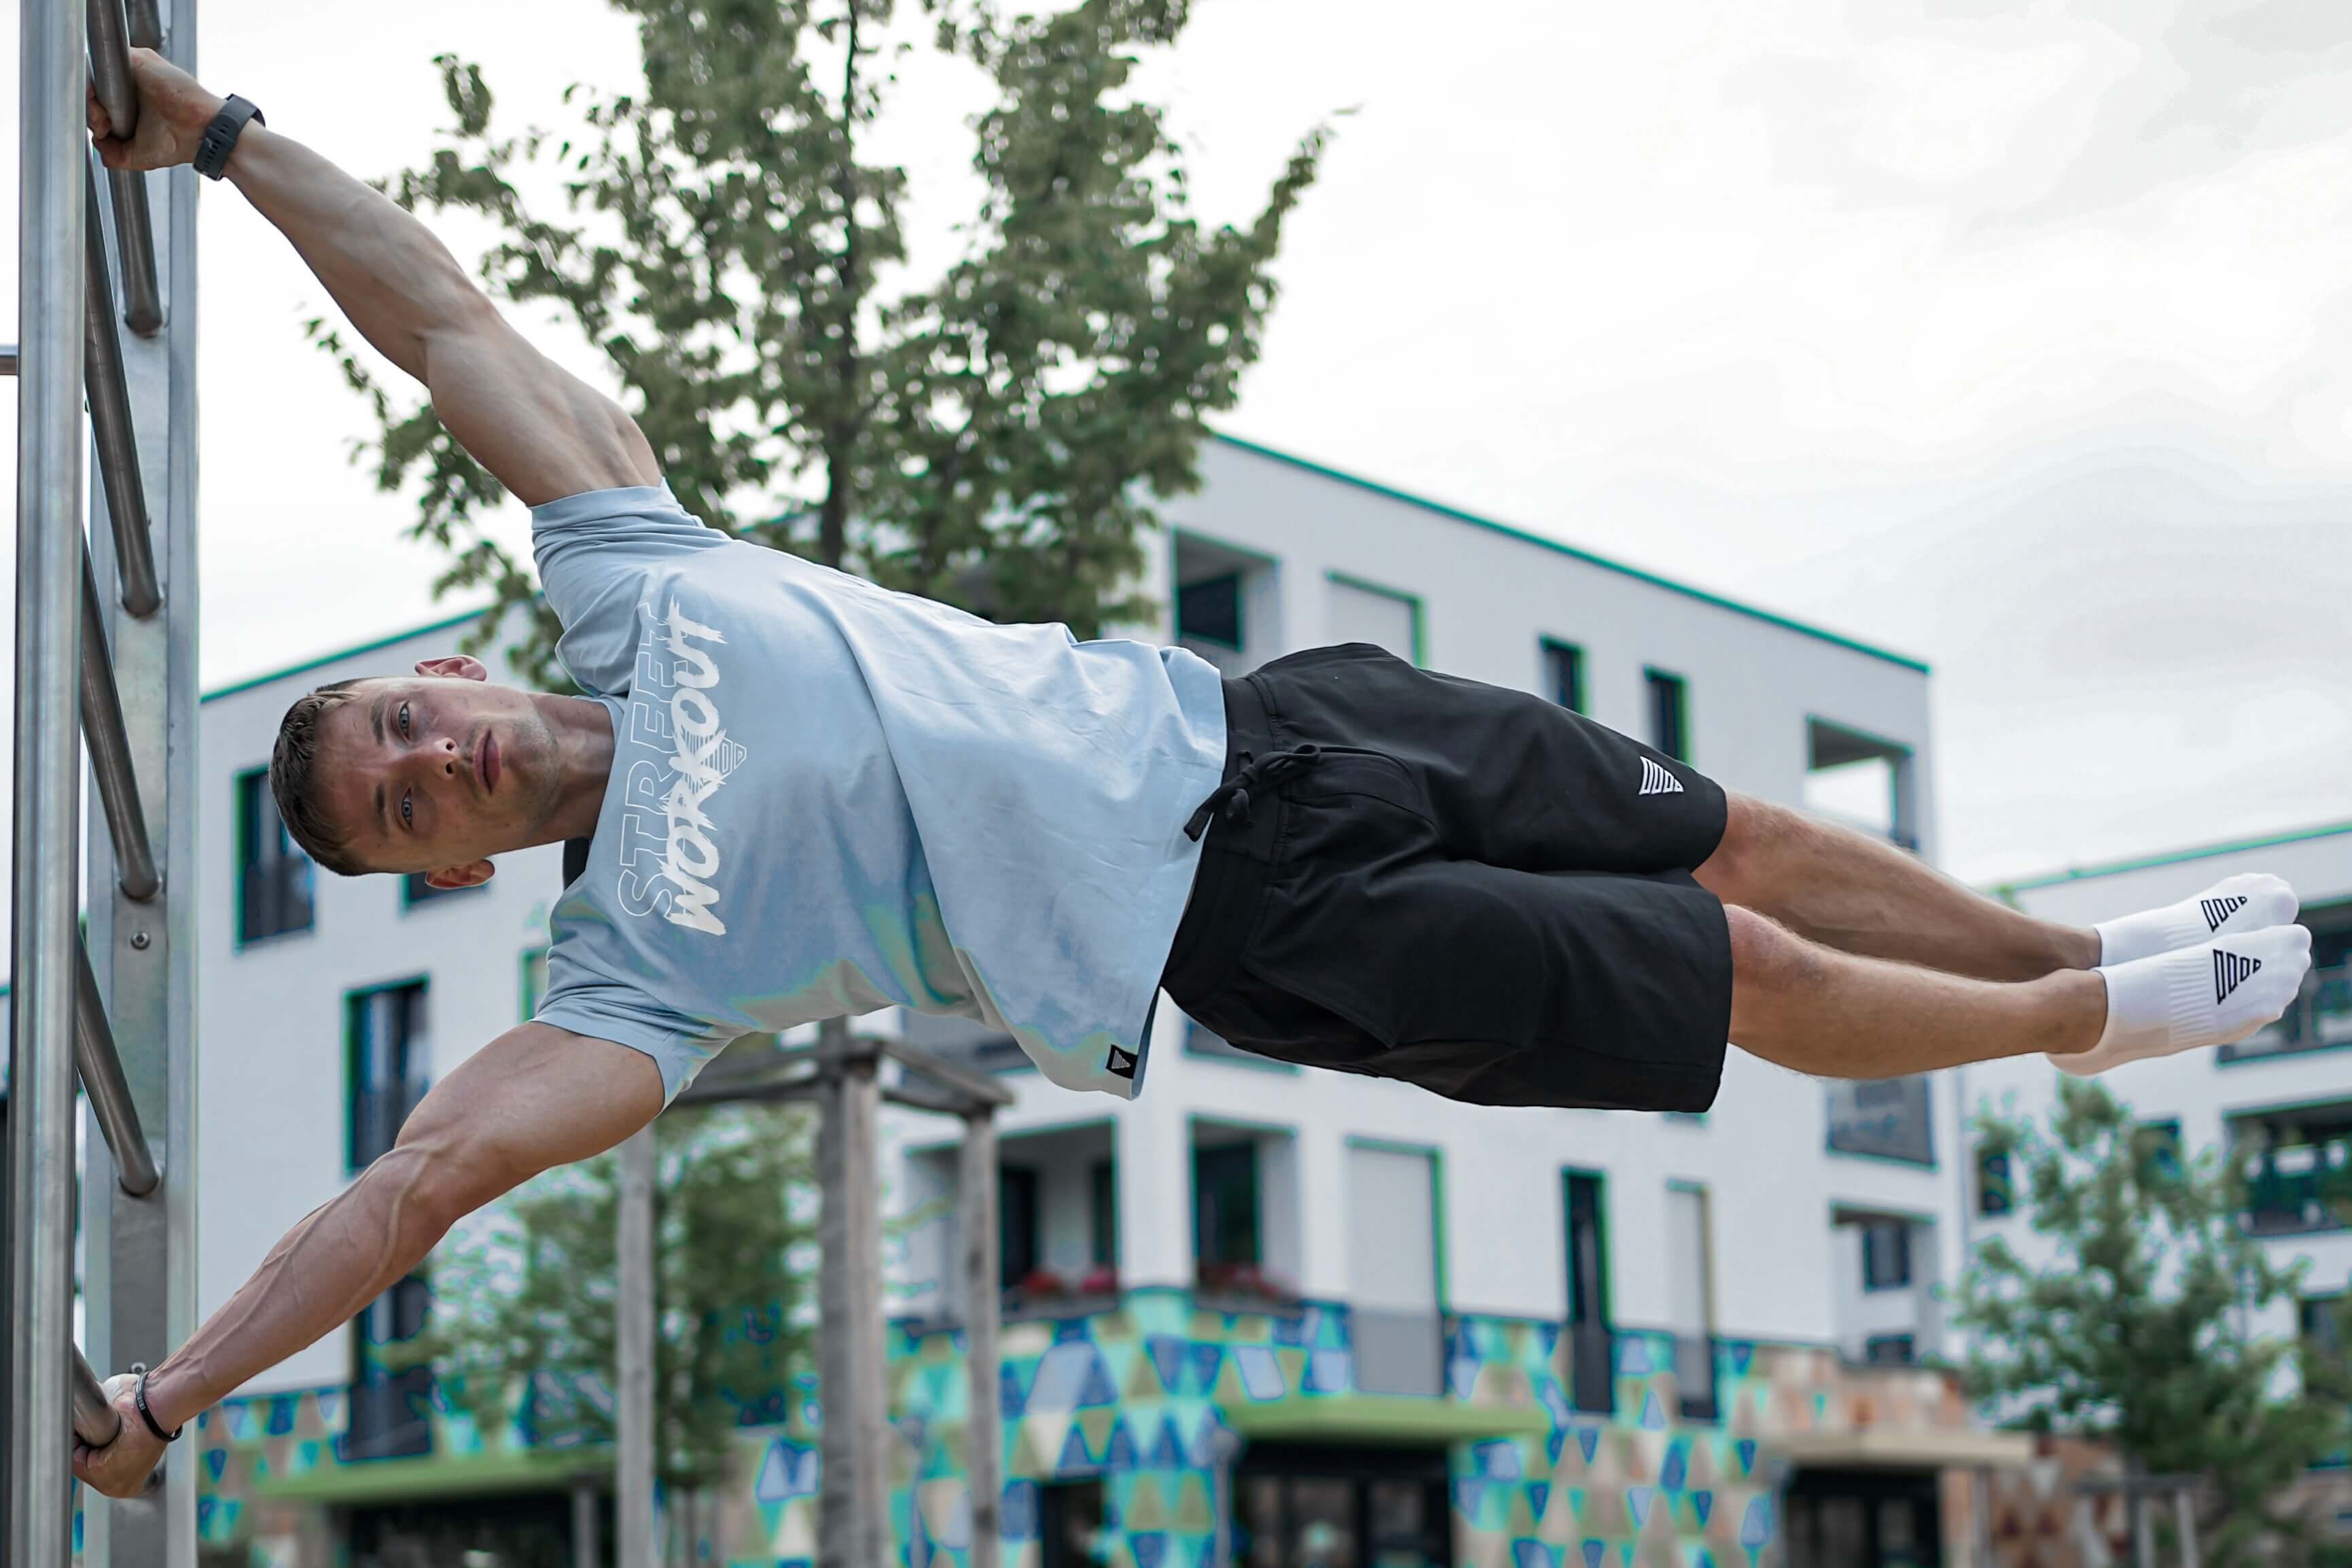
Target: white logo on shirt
<point x="666" y="823"/>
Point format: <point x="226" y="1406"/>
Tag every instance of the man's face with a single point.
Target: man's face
<point x="436" y="771"/>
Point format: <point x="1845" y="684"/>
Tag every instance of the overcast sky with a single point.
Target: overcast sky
<point x="2009" y="336"/>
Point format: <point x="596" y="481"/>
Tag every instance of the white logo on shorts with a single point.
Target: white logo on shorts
<point x="1656" y="780"/>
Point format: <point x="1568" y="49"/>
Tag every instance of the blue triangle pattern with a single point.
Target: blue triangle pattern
<point x="1538" y="1496"/>
<point x="1118" y="1452"/>
<point x="1531" y="1554"/>
<point x="1098" y="1390"/>
<point x="1150" y="1547"/>
<point x="1074" y="1455"/>
<point x="1012" y="1394"/>
<point x="1208" y="1359"/>
<point x="1637" y="1503"/>
<point x="1167" y="1352"/>
<point x="1553" y="1444"/>
<point x="1677" y="1467"/>
<point x="1589" y="1439"/>
<point x="1653" y="1415"/>
<point x="1745" y="1448"/>
<point x="1593" y="1552"/>
<point x="1016" y="1512"/>
<point x="1756" y="1526"/>
<point x="1703" y="1505"/>
<point x="1167" y="1452"/>
<point x="1743" y="1356"/>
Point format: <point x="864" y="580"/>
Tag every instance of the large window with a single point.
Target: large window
<point x="1018" y="1254"/>
<point x="1225" y="1211"/>
<point x="1886" y="1118"/>
<point x="1690" y="1290"/>
<point x="1102" y="1213"/>
<point x="1886" y="1253"/>
<point x="391" y="1405"/>
<point x="273" y="875"/>
<point x="1669" y="714"/>
<point x="1563" y="674"/>
<point x="1591" y="1348"/>
<point x="387" y="1064"/>
<point x="2320" y="1016"/>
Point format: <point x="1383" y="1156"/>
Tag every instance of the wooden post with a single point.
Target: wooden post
<point x="633" y="1459"/>
<point x="983" y="1457"/>
<point x="853" y="1520"/>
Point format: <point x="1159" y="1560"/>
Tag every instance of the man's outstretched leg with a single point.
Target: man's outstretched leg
<point x="1860" y="894"/>
<point x="1839" y="1015"/>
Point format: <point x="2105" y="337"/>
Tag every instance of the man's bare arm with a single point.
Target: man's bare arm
<point x="535" y="1098"/>
<point x="540" y="430"/>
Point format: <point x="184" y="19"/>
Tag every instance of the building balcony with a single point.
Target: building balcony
<point x="2299" y="1189"/>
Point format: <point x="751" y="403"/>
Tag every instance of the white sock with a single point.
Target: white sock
<point x="2252" y="900"/>
<point x="2209" y="994"/>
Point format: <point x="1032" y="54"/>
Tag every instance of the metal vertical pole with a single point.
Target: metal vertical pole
<point x="983" y="1452"/>
<point x="50" y="228"/>
<point x="2184" y="1520"/>
<point x="853" y="1524"/>
<point x="587" y="1522"/>
<point x="632" y="1457"/>
<point x="139" y="1253"/>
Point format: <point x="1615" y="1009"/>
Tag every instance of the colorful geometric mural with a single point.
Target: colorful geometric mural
<point x="1135" y="1396"/>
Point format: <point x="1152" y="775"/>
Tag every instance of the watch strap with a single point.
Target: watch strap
<point x="219" y="139"/>
<point x="139" y="1396"/>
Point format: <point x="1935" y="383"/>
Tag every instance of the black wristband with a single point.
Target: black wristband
<point x="219" y="139"/>
<point x="139" y="1396"/>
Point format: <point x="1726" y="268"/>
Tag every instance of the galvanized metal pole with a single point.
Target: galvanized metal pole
<point x="2184" y="1520"/>
<point x="632" y="1457"/>
<point x="51" y="216"/>
<point x="983" y="1450"/>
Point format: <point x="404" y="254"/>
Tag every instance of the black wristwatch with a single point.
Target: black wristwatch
<point x="220" y="137"/>
<point x="139" y="1389"/>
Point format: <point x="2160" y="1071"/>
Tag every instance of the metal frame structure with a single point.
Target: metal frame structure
<point x="104" y="995"/>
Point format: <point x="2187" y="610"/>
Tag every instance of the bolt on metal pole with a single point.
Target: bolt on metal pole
<point x="52" y="213"/>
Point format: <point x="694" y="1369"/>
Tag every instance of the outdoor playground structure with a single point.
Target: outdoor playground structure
<point x="104" y="997"/>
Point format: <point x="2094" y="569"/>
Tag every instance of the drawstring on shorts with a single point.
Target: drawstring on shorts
<point x="1234" y="795"/>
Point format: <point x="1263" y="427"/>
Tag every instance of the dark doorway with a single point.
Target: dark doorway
<point x="1863" y="1518"/>
<point x="1070" y="1524"/>
<point x="526" y="1529"/>
<point x="1300" y="1506"/>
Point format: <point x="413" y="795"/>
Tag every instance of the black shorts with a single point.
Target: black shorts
<point x="1417" y="877"/>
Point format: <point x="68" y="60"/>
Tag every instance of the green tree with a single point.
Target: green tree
<point x="995" y="436"/>
<point x="2142" y="1328"/>
<point x="525" y="1298"/>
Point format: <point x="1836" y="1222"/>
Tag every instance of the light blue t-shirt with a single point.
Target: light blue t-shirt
<point x="828" y="798"/>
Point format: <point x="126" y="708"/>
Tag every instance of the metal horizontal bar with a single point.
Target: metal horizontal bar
<point x="108" y="739"/>
<point x="95" y="1421"/>
<point x="108" y="1090"/>
<point x="135" y="230"/>
<point x="916" y="1095"/>
<point x="109" y="419"/>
